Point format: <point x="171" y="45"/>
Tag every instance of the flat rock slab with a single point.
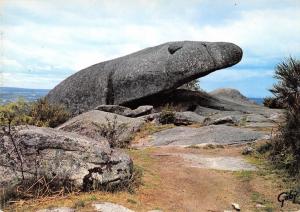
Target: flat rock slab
<point x="217" y="134"/>
<point x="110" y="207"/>
<point x="219" y="163"/>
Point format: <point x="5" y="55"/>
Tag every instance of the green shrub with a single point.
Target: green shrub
<point x="15" y="113"/>
<point x="264" y="148"/>
<point x="39" y="113"/>
<point x="45" y="114"/>
<point x="167" y="115"/>
<point x="272" y="102"/>
<point x="113" y="131"/>
<point x="286" y="145"/>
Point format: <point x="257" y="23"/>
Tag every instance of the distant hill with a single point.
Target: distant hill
<point x="9" y="94"/>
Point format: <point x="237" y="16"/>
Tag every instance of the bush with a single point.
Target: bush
<point x="167" y="115"/>
<point x="272" y="102"/>
<point x="113" y="131"/>
<point x="39" y="113"/>
<point x="15" y="113"/>
<point x="47" y="115"/>
<point x="286" y="146"/>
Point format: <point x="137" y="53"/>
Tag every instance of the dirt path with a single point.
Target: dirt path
<point x="172" y="184"/>
<point x="187" y="188"/>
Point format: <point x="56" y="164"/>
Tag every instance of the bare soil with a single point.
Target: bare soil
<point x="170" y="184"/>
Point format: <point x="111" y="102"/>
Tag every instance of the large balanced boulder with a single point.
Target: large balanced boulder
<point x="139" y="75"/>
<point x="62" y="156"/>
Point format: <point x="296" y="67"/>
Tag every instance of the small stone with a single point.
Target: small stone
<point x="155" y="211"/>
<point x="110" y="207"/>
<point x="140" y="111"/>
<point x="187" y="118"/>
<point x="247" y="150"/>
<point x="223" y="120"/>
<point x="236" y="206"/>
<point x="260" y="206"/>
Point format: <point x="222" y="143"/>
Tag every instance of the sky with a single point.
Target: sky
<point x="44" y="41"/>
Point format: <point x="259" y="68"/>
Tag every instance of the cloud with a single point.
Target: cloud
<point x="56" y="39"/>
<point x="233" y="75"/>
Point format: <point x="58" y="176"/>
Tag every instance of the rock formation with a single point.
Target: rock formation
<point x="59" y="155"/>
<point x="214" y="134"/>
<point x="142" y="74"/>
<point x="92" y="124"/>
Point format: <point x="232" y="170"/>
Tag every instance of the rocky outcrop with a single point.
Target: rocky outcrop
<point x="224" y="120"/>
<point x="180" y="118"/>
<point x="214" y="134"/>
<point x="188" y="118"/>
<point x="230" y="94"/>
<point x="92" y="124"/>
<point x="62" y="156"/>
<point x="134" y="77"/>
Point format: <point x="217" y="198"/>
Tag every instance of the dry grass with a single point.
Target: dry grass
<point x="148" y="129"/>
<point x="170" y="185"/>
<point x="84" y="200"/>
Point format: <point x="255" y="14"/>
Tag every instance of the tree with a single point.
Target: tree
<point x="286" y="148"/>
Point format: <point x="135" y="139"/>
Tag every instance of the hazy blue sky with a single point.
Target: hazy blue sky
<point x="44" y="41"/>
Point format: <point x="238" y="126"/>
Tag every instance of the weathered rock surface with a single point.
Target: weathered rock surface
<point x="230" y="94"/>
<point x="188" y="117"/>
<point x="181" y="118"/>
<point x="91" y="123"/>
<point x="142" y="74"/>
<point x="207" y="105"/>
<point x="125" y="111"/>
<point x="52" y="153"/>
<point x="218" y="163"/>
<point x="224" y="120"/>
<point x="140" y="111"/>
<point x="117" y="109"/>
<point x="216" y="134"/>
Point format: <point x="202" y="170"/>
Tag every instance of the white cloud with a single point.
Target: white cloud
<point x="28" y="81"/>
<point x="72" y="36"/>
<point x="4" y="61"/>
<point x="232" y="75"/>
